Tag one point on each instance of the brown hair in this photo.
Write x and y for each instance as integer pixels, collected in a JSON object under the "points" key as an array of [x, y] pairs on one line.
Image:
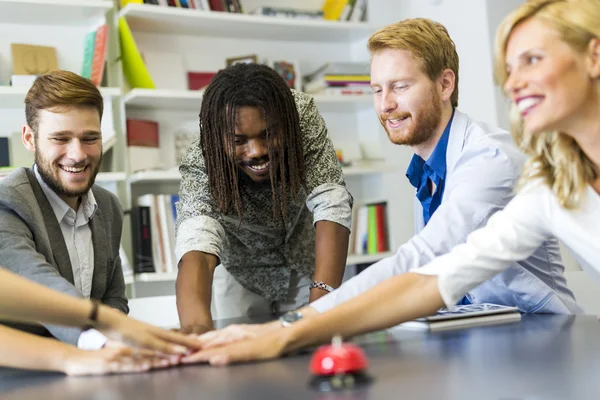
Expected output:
{"points": [[427, 40], [555, 157], [60, 90]]}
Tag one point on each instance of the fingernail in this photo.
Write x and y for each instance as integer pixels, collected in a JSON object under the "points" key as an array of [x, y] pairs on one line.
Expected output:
{"points": [[180, 349], [218, 360]]}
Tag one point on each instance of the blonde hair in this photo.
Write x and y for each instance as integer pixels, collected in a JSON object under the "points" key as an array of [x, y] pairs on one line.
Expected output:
{"points": [[427, 40], [60, 90], [555, 157]]}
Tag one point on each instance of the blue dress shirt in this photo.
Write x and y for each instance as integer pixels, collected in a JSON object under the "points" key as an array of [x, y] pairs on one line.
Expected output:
{"points": [[421, 172]]}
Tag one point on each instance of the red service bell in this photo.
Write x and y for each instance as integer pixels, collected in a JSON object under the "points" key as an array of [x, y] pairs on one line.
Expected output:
{"points": [[338, 366]]}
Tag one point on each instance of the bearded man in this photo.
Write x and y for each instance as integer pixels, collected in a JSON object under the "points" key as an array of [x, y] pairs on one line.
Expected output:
{"points": [[56, 227]]}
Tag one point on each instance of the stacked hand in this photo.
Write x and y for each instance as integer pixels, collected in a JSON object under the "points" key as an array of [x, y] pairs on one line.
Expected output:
{"points": [[238, 343], [133, 346], [155, 340], [111, 359]]}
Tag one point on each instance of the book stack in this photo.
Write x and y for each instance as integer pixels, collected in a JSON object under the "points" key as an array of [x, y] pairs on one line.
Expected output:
{"points": [[158, 245], [369, 231], [339, 78], [286, 12], [233, 6], [94, 54]]}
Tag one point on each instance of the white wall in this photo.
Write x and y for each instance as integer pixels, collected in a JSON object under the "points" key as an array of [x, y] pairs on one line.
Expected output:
{"points": [[497, 10]]}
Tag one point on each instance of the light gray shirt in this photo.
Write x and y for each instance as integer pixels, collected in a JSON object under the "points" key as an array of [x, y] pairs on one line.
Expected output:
{"points": [[76, 233]]}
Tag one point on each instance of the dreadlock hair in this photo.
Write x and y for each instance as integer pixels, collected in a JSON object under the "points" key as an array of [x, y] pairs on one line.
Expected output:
{"points": [[252, 85]]}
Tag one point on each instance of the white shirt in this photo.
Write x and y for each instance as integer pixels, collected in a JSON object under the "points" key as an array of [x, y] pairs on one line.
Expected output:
{"points": [[77, 235], [531, 217]]}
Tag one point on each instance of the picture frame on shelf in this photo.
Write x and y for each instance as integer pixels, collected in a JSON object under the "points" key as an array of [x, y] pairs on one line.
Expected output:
{"points": [[289, 71], [248, 59]]}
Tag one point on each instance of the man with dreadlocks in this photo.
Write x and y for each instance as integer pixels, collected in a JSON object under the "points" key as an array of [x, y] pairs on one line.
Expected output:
{"points": [[263, 196]]}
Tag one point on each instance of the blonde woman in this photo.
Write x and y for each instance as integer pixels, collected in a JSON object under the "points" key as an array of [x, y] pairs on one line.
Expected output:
{"points": [[548, 62], [25, 301]]}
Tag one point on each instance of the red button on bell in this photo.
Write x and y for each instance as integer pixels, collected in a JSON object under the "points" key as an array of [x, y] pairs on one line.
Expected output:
{"points": [[338, 366]]}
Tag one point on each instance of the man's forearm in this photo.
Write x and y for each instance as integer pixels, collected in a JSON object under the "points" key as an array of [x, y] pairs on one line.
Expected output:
{"points": [[194, 289], [331, 250]]}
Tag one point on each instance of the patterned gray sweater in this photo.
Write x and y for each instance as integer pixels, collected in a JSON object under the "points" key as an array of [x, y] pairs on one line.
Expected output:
{"points": [[261, 253]]}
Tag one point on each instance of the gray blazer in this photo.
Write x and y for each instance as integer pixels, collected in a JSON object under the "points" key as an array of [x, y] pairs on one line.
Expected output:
{"points": [[32, 245]]}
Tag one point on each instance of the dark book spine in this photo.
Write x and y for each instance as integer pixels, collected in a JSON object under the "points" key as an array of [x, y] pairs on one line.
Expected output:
{"points": [[217, 5], [142, 240]]}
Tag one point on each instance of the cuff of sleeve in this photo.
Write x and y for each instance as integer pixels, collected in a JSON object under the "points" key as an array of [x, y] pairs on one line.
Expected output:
{"points": [[325, 303], [91, 340], [331, 202], [199, 234], [448, 297]]}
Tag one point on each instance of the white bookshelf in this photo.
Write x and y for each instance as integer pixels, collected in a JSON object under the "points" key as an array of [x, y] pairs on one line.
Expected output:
{"points": [[164, 99], [190, 100], [367, 167], [111, 177], [53, 12], [14, 96], [172, 276], [343, 103], [150, 18], [359, 168], [155, 176], [367, 258]]}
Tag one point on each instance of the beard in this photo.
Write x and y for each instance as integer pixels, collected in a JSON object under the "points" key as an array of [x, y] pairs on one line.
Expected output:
{"points": [[53, 181], [422, 126]]}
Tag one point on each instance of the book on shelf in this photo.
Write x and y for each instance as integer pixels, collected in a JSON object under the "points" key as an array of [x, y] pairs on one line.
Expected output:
{"points": [[162, 217], [287, 12], [197, 80], [333, 9], [340, 77], [345, 10], [143, 145], [99, 55], [369, 229], [33, 60], [143, 260], [142, 133], [134, 69], [463, 316], [359, 11]]}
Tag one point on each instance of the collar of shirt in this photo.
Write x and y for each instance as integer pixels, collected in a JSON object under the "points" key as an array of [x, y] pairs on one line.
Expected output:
{"points": [[88, 202], [434, 168]]}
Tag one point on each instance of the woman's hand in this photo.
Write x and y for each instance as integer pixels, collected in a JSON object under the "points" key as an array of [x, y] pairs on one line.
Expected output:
{"points": [[264, 347], [109, 361], [235, 333], [119, 327]]}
